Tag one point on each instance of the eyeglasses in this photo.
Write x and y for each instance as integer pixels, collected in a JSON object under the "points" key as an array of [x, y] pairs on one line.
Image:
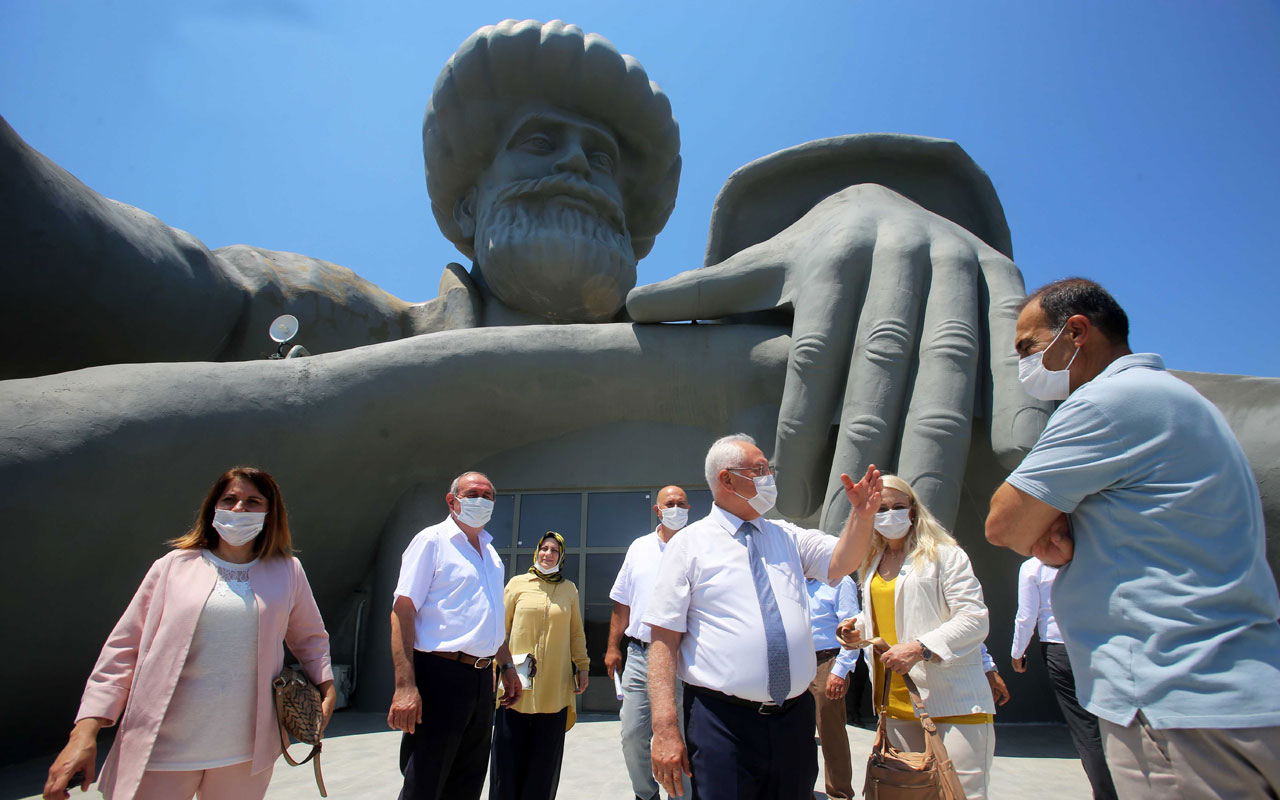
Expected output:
{"points": [[756, 472]]}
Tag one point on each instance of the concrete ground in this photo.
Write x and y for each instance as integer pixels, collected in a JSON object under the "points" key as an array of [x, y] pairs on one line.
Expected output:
{"points": [[361, 761]]}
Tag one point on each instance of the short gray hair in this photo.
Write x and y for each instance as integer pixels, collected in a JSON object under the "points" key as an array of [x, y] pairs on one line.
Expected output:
{"points": [[725, 453], [453, 487]]}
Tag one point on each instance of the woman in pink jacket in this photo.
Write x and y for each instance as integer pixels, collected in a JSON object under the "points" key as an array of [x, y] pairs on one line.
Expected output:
{"points": [[187, 670]]}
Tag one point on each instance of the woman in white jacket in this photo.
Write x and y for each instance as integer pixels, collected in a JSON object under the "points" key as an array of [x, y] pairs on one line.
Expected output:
{"points": [[920, 596]]}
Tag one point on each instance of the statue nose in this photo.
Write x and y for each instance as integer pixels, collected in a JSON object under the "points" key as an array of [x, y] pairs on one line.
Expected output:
{"points": [[574, 159]]}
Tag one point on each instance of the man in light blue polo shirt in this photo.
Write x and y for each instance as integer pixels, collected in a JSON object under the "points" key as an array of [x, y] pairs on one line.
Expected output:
{"points": [[1165, 599]]}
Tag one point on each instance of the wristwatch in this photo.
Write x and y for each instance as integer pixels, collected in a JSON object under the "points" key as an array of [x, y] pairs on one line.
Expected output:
{"points": [[925, 651], [504, 667]]}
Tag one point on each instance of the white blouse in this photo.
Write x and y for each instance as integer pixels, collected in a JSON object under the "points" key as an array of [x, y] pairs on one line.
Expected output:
{"points": [[210, 720]]}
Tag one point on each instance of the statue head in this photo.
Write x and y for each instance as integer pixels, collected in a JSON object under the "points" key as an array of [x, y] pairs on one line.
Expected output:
{"points": [[553, 162]]}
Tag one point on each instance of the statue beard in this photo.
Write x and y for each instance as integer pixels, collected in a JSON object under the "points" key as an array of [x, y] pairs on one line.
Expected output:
{"points": [[556, 248]]}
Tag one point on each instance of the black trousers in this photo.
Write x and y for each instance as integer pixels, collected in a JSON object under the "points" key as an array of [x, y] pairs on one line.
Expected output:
{"points": [[527, 751], [446, 755], [858, 700], [737, 753], [1082, 725]]}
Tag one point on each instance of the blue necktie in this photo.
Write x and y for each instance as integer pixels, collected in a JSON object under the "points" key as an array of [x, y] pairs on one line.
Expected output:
{"points": [[778, 660]]}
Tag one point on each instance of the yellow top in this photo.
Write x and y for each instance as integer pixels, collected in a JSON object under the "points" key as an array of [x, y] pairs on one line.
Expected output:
{"points": [[885, 625], [544, 619]]}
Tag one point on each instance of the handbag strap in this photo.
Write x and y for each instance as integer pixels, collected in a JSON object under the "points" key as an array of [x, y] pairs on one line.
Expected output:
{"points": [[882, 725], [925, 720], [933, 741], [313, 756]]}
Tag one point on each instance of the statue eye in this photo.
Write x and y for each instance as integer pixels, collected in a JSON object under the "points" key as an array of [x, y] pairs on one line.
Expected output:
{"points": [[602, 160], [538, 143]]}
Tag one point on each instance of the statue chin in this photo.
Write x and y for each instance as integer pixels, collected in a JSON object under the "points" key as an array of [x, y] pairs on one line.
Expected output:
{"points": [[558, 277]]}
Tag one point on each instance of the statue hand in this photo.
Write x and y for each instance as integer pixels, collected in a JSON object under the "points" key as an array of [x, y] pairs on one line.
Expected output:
{"points": [[901, 319]]}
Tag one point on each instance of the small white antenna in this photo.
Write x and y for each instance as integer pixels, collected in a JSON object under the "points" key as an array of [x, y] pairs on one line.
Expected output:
{"points": [[283, 328]]}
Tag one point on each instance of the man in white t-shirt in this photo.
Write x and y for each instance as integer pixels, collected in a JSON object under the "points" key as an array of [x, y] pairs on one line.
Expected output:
{"points": [[448, 630], [630, 595]]}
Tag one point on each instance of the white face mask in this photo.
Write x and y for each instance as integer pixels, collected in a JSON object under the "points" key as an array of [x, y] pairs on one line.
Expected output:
{"points": [[766, 494], [238, 527], [1041, 382], [675, 518], [545, 570], [475, 511], [893, 524]]}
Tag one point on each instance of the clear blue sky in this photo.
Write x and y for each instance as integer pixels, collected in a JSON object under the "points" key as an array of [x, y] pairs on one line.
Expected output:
{"points": [[1131, 142]]}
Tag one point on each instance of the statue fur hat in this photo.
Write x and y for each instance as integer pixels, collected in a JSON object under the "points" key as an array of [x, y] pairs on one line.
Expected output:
{"points": [[500, 69]]}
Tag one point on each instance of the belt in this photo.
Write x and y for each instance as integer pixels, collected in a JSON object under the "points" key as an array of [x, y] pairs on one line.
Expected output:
{"points": [[479, 662], [768, 709], [643, 645], [823, 655]]}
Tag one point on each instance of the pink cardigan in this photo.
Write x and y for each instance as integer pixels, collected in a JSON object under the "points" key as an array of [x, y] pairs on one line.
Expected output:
{"points": [[138, 668]]}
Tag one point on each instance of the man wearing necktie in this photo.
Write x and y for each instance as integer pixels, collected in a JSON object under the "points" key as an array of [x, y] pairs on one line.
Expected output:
{"points": [[730, 599]]}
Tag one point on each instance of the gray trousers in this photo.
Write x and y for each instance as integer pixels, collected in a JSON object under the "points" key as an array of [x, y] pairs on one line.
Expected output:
{"points": [[637, 722], [1192, 763]]}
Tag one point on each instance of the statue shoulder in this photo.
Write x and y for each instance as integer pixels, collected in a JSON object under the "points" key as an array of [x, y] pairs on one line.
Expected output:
{"points": [[456, 305], [337, 309]]}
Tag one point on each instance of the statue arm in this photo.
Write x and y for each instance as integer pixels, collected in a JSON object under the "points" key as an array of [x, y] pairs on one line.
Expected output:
{"points": [[92, 281]]}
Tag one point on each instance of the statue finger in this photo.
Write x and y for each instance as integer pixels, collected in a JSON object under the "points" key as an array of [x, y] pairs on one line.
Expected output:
{"points": [[879, 368], [1015, 418], [751, 280], [939, 419], [821, 341]]}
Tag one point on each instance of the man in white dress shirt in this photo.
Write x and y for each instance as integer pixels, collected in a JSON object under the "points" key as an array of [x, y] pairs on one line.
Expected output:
{"points": [[730, 598], [630, 595], [1035, 614], [448, 630]]}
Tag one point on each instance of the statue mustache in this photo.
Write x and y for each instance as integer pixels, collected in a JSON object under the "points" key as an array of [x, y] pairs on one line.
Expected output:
{"points": [[554, 186]]}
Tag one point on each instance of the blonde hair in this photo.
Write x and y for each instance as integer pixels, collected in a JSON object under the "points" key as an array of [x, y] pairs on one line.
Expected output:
{"points": [[924, 538]]}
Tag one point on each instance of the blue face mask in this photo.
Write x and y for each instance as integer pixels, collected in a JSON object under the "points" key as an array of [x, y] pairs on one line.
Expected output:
{"points": [[1041, 382]]}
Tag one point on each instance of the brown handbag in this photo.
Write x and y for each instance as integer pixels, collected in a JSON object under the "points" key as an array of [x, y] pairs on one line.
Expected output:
{"points": [[300, 711], [893, 774]]}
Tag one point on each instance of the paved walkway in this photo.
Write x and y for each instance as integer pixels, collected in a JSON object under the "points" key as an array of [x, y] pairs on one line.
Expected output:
{"points": [[361, 758]]}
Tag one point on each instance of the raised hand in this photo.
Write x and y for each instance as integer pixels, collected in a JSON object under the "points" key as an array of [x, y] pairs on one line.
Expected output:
{"points": [[864, 496]]}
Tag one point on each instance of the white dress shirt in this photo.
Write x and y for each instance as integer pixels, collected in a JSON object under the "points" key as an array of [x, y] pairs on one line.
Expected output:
{"points": [[635, 581], [456, 591], [705, 590], [1035, 585]]}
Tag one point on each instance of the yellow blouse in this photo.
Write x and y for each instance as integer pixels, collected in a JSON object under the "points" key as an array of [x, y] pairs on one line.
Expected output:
{"points": [[885, 625], [545, 619]]}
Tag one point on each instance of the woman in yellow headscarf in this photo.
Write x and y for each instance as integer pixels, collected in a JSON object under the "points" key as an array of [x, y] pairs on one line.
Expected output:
{"points": [[544, 632]]}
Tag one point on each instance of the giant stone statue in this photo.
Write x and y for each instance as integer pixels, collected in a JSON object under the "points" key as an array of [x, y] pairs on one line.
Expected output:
{"points": [[861, 293]]}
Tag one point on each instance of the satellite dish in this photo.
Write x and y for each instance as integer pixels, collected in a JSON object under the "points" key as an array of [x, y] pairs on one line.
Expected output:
{"points": [[284, 328]]}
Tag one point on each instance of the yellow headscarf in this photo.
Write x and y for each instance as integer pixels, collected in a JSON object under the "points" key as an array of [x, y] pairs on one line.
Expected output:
{"points": [[554, 577]]}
